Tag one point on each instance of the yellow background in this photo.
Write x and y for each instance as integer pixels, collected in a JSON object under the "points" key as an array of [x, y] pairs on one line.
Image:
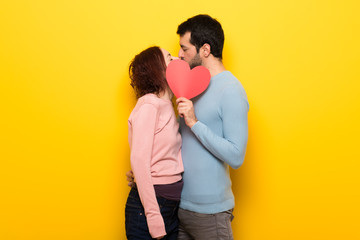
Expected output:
{"points": [[65, 98]]}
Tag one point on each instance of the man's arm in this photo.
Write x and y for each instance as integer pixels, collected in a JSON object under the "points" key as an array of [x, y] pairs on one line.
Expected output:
{"points": [[230, 147]]}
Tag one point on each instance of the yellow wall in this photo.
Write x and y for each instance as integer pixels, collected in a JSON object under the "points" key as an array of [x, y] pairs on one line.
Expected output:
{"points": [[65, 98]]}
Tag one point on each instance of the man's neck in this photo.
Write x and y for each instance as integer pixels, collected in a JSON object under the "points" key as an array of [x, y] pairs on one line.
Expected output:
{"points": [[214, 65]]}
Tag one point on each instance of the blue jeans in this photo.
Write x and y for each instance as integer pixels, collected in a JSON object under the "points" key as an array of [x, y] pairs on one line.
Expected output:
{"points": [[135, 220]]}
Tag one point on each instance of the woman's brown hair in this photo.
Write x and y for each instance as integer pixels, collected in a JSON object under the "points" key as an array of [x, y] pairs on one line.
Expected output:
{"points": [[148, 72]]}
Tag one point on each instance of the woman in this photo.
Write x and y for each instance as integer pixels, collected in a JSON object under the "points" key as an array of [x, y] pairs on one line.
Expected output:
{"points": [[151, 207]]}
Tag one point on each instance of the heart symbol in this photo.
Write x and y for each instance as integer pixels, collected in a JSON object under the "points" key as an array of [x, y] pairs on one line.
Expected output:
{"points": [[184, 82]]}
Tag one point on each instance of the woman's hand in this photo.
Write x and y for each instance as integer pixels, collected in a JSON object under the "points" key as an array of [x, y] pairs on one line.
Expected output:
{"points": [[130, 178], [186, 110]]}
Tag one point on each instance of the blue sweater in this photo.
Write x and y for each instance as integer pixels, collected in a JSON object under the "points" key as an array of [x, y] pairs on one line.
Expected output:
{"points": [[218, 140]]}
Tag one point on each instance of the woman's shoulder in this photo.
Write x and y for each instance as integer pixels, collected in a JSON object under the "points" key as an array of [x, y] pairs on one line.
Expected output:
{"points": [[149, 98], [148, 101]]}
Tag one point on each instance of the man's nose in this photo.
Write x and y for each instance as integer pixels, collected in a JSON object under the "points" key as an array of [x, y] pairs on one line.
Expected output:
{"points": [[181, 54]]}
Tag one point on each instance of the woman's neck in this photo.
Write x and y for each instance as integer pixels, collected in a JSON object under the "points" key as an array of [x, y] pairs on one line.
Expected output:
{"points": [[166, 95]]}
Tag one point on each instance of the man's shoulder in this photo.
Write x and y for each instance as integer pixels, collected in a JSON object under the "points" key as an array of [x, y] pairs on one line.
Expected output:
{"points": [[232, 90], [230, 84]]}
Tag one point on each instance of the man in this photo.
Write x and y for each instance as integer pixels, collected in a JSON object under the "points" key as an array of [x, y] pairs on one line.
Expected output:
{"points": [[214, 132]]}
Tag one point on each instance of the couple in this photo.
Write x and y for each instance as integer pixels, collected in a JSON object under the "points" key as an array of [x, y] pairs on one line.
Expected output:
{"points": [[187, 161]]}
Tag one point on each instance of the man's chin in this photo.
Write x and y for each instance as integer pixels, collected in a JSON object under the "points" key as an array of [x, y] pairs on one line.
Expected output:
{"points": [[192, 65]]}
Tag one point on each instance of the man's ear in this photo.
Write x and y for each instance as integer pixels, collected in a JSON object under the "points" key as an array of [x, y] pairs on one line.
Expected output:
{"points": [[206, 50]]}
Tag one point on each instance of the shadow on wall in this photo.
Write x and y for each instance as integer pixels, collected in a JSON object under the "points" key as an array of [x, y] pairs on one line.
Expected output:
{"points": [[248, 181], [126, 102]]}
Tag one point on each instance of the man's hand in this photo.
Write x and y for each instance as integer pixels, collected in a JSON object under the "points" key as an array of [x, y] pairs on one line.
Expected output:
{"points": [[186, 110], [130, 178]]}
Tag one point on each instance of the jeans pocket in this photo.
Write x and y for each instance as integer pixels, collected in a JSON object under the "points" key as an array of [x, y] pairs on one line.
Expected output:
{"points": [[135, 219], [231, 215]]}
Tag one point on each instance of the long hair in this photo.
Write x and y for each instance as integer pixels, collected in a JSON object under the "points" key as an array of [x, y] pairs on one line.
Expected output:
{"points": [[147, 72]]}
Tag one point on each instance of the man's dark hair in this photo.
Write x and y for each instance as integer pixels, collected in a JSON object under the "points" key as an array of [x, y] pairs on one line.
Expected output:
{"points": [[204, 29]]}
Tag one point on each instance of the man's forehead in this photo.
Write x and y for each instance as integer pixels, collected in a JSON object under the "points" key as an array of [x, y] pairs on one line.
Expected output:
{"points": [[185, 39]]}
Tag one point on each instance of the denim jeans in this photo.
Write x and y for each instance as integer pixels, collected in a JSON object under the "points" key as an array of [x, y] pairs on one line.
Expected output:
{"points": [[135, 219]]}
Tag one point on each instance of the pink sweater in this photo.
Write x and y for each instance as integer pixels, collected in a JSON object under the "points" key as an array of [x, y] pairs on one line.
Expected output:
{"points": [[155, 153]]}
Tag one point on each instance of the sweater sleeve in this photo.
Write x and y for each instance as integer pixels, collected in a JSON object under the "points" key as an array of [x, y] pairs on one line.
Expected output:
{"points": [[230, 147], [143, 130]]}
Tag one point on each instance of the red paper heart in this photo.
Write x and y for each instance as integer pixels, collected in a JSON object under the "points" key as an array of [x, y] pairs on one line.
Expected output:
{"points": [[185, 82]]}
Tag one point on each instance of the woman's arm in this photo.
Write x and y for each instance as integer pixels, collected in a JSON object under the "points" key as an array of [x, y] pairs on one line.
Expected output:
{"points": [[143, 130]]}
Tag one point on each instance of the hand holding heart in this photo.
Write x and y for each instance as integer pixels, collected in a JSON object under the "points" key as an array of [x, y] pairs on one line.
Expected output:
{"points": [[184, 82], [186, 110]]}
